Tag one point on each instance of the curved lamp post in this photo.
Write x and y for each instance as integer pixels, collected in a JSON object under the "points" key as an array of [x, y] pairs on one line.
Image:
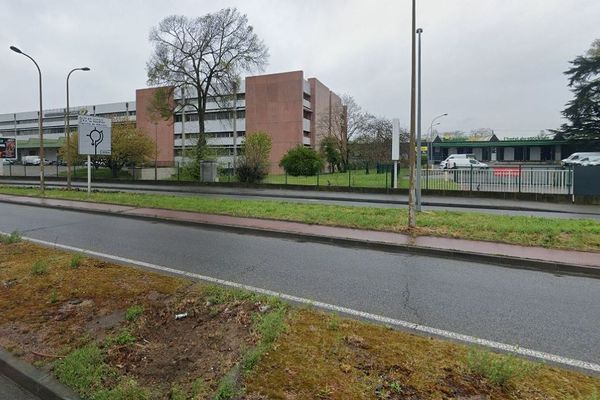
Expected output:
{"points": [[40, 117], [68, 127], [429, 155]]}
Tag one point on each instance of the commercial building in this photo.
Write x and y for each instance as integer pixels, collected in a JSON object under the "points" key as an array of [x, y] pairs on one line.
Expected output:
{"points": [[291, 109], [491, 148]]}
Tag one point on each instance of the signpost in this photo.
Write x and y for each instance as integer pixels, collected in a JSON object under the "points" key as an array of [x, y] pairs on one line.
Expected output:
{"points": [[395, 148], [94, 140]]}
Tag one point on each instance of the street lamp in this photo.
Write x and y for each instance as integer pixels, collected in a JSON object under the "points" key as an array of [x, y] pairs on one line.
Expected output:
{"points": [[419, 156], [68, 128], [430, 158], [40, 117]]}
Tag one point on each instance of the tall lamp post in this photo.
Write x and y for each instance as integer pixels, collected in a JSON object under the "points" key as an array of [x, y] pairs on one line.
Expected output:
{"points": [[412, 217], [429, 155], [68, 128], [40, 118], [419, 155]]}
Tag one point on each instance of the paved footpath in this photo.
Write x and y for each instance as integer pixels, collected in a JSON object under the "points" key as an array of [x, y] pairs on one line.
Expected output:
{"points": [[538, 257]]}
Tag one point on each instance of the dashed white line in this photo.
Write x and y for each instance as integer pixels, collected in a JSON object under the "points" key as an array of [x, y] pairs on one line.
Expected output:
{"points": [[339, 309]]}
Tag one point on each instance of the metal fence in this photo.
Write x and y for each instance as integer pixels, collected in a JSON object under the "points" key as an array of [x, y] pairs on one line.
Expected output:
{"points": [[501, 179], [510, 179]]}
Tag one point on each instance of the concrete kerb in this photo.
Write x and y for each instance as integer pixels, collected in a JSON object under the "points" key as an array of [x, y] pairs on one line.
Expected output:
{"points": [[492, 259], [35, 381]]}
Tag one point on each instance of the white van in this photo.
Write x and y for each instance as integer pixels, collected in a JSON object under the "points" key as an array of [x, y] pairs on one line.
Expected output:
{"points": [[465, 163], [31, 160], [444, 164], [575, 158]]}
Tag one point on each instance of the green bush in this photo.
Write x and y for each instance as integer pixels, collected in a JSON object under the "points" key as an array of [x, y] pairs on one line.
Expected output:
{"points": [[253, 164], [76, 260], [302, 161], [83, 370]]}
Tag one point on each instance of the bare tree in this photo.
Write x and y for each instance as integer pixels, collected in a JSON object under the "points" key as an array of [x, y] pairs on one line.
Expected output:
{"points": [[207, 54], [343, 123], [374, 144]]}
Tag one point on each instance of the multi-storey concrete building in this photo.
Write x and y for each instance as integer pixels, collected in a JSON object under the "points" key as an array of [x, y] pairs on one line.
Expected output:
{"points": [[291, 109]]}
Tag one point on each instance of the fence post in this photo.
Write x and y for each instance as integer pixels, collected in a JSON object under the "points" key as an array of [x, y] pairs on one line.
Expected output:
{"points": [[178, 172], [427, 177], [349, 177], [286, 177], [25, 169], [471, 179], [10, 170], [317, 178], [57, 168], [520, 171], [386, 180]]}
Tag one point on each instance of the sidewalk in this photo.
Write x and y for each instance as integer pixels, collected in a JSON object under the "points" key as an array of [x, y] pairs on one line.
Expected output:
{"points": [[550, 260]]}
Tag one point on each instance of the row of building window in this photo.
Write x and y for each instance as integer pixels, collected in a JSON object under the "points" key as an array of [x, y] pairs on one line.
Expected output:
{"points": [[211, 116], [210, 135], [62, 118]]}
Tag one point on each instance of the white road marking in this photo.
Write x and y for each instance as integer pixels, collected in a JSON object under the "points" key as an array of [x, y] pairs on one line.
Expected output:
{"points": [[331, 307]]}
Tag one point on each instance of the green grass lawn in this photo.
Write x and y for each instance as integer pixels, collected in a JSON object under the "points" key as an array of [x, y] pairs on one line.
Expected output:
{"points": [[530, 231], [356, 178]]}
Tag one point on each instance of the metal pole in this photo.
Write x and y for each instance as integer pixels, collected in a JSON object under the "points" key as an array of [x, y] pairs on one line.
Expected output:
{"points": [[40, 118], [412, 217], [395, 174], [89, 174], [68, 128], [235, 125], [419, 156], [155, 152], [183, 125]]}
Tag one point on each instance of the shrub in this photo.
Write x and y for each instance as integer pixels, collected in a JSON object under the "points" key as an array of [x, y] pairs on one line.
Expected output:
{"points": [[253, 164], [301, 161]]}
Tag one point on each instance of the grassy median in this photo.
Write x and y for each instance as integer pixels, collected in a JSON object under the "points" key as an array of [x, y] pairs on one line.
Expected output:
{"points": [[114, 332], [529, 231]]}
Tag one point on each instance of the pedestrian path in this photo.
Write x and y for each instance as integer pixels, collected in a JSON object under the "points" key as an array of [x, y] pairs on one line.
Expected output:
{"points": [[515, 255]]}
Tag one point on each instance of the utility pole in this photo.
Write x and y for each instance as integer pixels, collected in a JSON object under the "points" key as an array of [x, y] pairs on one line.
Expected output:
{"points": [[68, 128], [412, 218], [419, 155], [183, 101], [234, 115]]}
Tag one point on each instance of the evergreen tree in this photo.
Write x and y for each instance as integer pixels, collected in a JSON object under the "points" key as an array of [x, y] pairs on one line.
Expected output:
{"points": [[583, 112]]}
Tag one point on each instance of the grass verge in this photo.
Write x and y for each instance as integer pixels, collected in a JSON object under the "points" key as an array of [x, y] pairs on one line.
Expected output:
{"points": [[557, 233], [111, 333]]}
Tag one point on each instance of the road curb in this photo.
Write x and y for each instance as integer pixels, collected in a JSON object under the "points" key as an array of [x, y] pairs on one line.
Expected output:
{"points": [[35, 381], [494, 259]]}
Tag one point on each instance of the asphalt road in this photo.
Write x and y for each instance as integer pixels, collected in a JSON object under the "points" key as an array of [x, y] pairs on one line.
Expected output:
{"points": [[354, 199], [10, 391], [540, 311]]}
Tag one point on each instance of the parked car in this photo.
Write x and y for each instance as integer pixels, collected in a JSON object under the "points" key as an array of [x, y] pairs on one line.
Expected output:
{"points": [[8, 161], [575, 158], [465, 163], [444, 164]]}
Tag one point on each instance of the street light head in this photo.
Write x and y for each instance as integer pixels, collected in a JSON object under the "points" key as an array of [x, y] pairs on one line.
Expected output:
{"points": [[16, 49], [85, 69], [445, 114], [419, 30]]}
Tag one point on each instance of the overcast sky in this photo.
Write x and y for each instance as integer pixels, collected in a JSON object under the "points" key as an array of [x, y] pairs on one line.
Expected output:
{"points": [[487, 63]]}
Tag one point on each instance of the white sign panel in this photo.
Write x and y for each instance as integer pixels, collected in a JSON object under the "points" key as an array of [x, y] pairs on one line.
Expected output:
{"points": [[395, 139], [94, 135]]}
